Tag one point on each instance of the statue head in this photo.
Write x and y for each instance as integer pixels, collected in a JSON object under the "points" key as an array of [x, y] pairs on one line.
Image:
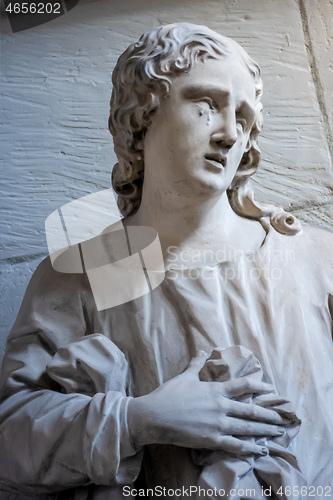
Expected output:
{"points": [[143, 77]]}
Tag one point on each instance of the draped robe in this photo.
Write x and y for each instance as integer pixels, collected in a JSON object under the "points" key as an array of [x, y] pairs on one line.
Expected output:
{"points": [[276, 302]]}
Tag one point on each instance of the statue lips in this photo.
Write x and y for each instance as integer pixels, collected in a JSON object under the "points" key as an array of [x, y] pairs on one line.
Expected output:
{"points": [[217, 161]]}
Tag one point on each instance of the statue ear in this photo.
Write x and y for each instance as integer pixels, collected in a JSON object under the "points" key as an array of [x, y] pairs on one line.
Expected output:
{"points": [[248, 146]]}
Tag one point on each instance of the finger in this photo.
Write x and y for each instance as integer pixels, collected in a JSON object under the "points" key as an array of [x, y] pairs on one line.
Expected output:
{"points": [[269, 400], [289, 417], [245, 385], [254, 412], [240, 447], [197, 363], [238, 427]]}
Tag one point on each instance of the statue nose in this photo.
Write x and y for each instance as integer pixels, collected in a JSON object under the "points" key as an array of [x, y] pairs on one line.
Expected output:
{"points": [[226, 136], [225, 139]]}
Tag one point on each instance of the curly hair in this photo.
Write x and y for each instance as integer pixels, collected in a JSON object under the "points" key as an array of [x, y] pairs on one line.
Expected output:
{"points": [[142, 77]]}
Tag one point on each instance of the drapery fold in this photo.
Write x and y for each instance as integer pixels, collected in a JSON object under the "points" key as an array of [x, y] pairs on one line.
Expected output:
{"points": [[78, 435]]}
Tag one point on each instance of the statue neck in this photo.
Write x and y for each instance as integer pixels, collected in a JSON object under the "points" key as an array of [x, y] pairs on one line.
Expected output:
{"points": [[197, 224]]}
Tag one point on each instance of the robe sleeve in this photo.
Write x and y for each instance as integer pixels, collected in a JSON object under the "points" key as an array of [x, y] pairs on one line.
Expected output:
{"points": [[52, 439]]}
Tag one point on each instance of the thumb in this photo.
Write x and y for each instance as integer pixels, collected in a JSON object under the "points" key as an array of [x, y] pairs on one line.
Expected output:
{"points": [[197, 363]]}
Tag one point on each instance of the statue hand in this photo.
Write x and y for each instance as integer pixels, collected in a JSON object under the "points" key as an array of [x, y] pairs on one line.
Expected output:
{"points": [[187, 412]]}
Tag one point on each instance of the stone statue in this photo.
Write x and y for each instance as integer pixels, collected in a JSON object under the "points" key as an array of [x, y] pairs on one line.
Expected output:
{"points": [[218, 382]]}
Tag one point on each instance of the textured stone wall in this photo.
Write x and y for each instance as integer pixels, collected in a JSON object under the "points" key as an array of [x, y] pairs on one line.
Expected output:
{"points": [[55, 95]]}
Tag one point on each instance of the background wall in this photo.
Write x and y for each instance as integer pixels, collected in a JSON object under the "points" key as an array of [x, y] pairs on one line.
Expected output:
{"points": [[55, 95]]}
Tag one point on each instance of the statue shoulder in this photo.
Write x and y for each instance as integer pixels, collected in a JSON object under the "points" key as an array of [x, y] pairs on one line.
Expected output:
{"points": [[314, 247], [310, 252], [318, 241], [48, 284]]}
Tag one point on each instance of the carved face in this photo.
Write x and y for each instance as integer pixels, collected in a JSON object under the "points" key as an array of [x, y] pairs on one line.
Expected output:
{"points": [[201, 129]]}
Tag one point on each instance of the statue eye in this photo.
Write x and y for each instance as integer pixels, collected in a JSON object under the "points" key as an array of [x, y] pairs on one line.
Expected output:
{"points": [[207, 103]]}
